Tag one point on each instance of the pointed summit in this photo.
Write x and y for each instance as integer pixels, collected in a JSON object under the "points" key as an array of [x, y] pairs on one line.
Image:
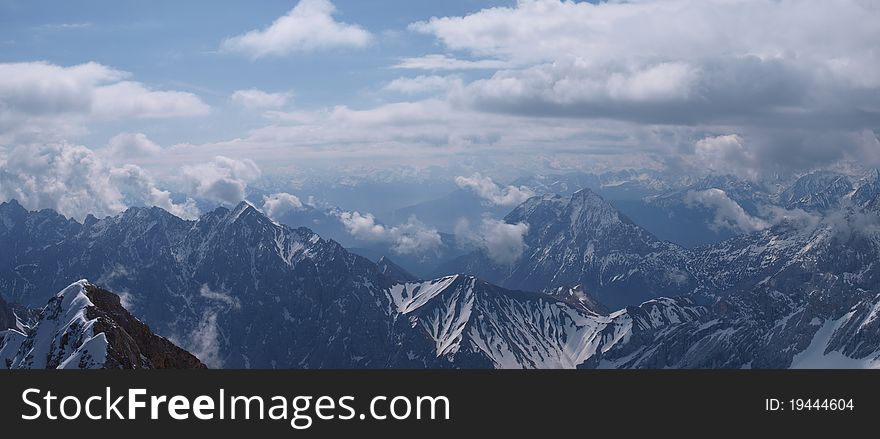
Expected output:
{"points": [[394, 271], [12, 207], [584, 240]]}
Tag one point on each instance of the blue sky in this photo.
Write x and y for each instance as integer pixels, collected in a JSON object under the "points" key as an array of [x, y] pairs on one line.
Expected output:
{"points": [[194, 96], [174, 45]]}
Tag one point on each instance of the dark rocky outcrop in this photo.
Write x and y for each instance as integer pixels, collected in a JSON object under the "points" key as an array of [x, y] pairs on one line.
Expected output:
{"points": [[132, 345], [7, 318]]}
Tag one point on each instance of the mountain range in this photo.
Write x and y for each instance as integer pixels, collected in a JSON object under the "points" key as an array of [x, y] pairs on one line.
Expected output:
{"points": [[239, 290]]}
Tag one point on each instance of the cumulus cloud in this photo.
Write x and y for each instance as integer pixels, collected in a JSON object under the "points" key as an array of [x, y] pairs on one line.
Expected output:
{"points": [[503, 243], [139, 189], [74, 181], [41, 100], [728, 214], [726, 154], [493, 193], [423, 84], [222, 180], [308, 26], [276, 205], [410, 238], [256, 99], [128, 145]]}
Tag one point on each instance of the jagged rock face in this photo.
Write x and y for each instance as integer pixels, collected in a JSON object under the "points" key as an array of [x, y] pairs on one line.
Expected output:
{"points": [[787, 297], [583, 240], [84, 327], [7, 317], [131, 343], [867, 188], [577, 296], [817, 191]]}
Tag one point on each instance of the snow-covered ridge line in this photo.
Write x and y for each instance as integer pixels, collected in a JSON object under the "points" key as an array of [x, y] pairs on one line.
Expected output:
{"points": [[63, 338], [471, 323], [85, 327]]}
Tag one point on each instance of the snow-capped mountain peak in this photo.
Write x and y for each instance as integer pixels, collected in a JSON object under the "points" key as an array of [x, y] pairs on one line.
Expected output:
{"points": [[84, 327]]}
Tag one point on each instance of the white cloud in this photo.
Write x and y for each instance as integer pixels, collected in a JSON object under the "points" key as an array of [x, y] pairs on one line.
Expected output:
{"points": [[42, 100], [410, 238], [445, 62], [134, 100], [276, 205], [503, 243], [204, 341], [74, 181], [487, 189], [797, 217], [724, 154], [255, 99], [728, 214], [139, 189], [423, 84], [222, 180], [127, 145], [308, 26]]}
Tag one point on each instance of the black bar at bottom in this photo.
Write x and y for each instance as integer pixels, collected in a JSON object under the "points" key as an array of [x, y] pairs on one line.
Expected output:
{"points": [[500, 403]]}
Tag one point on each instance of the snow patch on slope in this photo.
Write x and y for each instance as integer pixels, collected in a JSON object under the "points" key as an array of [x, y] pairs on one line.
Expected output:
{"points": [[816, 357], [412, 295]]}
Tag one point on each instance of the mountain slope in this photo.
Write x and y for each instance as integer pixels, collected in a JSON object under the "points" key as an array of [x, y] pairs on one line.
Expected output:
{"points": [[790, 296], [459, 321], [583, 240], [818, 191], [7, 316]]}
